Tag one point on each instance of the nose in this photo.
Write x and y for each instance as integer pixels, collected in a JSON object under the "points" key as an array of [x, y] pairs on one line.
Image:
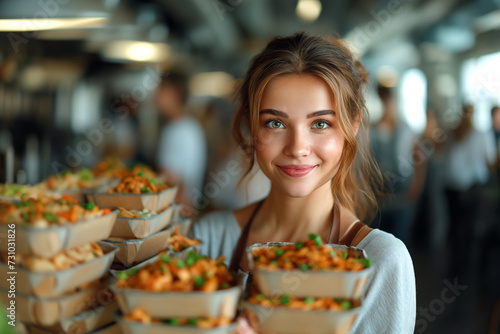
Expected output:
{"points": [[298, 144]]}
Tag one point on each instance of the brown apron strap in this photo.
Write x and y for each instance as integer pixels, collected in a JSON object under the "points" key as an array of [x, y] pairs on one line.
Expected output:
{"points": [[349, 237], [242, 242], [335, 229]]}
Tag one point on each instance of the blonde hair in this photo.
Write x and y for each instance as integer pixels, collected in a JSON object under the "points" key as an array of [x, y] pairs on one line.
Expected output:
{"points": [[331, 61]]}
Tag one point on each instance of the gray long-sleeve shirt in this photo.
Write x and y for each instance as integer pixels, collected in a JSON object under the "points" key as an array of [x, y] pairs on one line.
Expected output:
{"points": [[389, 305]]}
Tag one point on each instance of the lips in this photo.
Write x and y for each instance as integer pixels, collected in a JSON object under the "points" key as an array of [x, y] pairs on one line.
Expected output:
{"points": [[297, 170]]}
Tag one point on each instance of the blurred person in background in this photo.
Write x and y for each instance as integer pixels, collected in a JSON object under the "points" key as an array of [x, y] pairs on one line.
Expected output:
{"points": [[225, 165], [182, 152], [469, 155], [495, 119], [393, 144], [430, 221]]}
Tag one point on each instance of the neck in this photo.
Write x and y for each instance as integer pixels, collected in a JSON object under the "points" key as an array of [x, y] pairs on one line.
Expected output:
{"points": [[297, 216]]}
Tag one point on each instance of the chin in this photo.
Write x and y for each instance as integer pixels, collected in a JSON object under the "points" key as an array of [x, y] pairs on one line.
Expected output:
{"points": [[297, 190]]}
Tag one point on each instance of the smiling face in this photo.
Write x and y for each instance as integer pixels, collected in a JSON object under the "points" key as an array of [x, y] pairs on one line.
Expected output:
{"points": [[299, 141]]}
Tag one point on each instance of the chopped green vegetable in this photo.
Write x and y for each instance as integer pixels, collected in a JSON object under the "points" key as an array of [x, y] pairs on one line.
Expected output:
{"points": [[279, 252], [365, 262], [141, 173], [298, 245], [122, 275], [309, 300], [145, 190], [257, 258], [180, 264], [89, 206], [346, 305], [225, 285], [153, 181], [132, 272], [174, 322], [285, 300], [64, 173], [198, 281], [26, 216], [304, 267], [260, 297], [345, 255], [165, 258], [192, 321], [273, 263], [332, 253], [85, 174], [50, 217]]}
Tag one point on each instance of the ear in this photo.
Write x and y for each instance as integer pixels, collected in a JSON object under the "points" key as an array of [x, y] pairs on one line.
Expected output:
{"points": [[355, 123]]}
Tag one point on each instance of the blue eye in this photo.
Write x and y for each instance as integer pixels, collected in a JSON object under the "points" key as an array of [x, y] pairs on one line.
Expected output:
{"points": [[320, 125], [274, 124]]}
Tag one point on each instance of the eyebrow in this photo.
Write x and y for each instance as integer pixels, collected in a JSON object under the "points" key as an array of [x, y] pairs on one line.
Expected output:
{"points": [[278, 113]]}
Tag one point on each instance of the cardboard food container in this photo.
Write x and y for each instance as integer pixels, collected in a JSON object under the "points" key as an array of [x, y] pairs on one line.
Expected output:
{"points": [[297, 283], [131, 327], [183, 254], [183, 224], [142, 227], [47, 242], [165, 305], [110, 329], [54, 283], [152, 259], [106, 183], [85, 322], [281, 320], [138, 250], [50, 311], [152, 202]]}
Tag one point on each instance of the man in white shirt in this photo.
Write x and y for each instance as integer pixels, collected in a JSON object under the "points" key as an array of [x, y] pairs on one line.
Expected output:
{"points": [[182, 151]]}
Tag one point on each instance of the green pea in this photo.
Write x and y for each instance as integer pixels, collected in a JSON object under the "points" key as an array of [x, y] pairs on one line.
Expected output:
{"points": [[165, 258], [180, 264], [304, 267], [346, 305], [309, 300], [199, 281], [285, 300]]}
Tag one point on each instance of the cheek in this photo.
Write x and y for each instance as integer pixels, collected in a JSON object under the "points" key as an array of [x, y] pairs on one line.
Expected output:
{"points": [[330, 149], [268, 146]]}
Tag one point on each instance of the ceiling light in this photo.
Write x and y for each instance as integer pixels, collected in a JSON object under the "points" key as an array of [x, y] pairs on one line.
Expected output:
{"points": [[29, 15], [308, 10], [37, 24], [136, 51]]}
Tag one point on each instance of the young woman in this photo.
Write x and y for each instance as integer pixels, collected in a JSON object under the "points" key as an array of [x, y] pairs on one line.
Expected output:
{"points": [[301, 118]]}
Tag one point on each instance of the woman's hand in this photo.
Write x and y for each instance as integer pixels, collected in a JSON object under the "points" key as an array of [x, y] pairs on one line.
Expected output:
{"points": [[243, 326]]}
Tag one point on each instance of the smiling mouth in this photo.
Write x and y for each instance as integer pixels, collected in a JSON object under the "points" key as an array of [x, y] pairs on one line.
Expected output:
{"points": [[297, 170]]}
